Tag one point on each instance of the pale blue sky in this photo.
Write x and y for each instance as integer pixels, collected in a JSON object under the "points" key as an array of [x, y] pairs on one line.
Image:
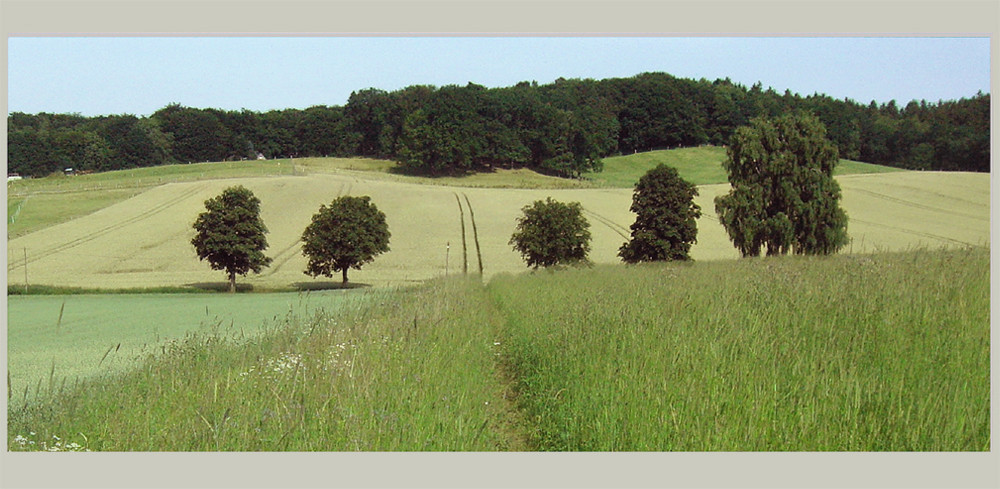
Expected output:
{"points": [[138, 75]]}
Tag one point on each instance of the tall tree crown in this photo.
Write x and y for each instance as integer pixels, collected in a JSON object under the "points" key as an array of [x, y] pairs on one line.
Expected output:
{"points": [[665, 226], [784, 197]]}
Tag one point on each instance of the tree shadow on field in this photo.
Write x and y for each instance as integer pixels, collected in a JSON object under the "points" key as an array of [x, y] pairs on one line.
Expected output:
{"points": [[307, 286], [220, 286]]}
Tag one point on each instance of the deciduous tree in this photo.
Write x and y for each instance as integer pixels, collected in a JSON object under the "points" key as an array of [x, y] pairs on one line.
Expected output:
{"points": [[784, 197], [348, 233], [230, 234], [665, 226], [552, 233]]}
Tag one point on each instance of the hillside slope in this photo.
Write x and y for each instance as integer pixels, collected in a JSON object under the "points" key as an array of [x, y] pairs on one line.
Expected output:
{"points": [[145, 240]]}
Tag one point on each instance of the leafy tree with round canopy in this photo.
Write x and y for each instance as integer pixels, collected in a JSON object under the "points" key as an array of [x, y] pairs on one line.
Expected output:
{"points": [[783, 196], [552, 233], [665, 226], [230, 234], [348, 233]]}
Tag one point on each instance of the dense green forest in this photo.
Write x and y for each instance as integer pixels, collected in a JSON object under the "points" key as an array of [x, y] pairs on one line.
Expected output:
{"points": [[562, 128]]}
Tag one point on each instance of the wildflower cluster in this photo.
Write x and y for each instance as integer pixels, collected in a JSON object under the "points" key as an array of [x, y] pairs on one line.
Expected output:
{"points": [[286, 363], [334, 359], [56, 445]]}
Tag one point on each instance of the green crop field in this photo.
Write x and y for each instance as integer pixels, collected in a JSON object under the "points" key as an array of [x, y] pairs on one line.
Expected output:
{"points": [[62, 339]]}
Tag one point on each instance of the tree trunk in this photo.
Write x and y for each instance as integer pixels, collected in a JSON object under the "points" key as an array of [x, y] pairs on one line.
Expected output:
{"points": [[344, 270], [232, 282]]}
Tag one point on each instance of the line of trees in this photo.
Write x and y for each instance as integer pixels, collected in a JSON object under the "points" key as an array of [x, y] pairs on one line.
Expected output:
{"points": [[230, 235], [783, 198], [562, 128]]}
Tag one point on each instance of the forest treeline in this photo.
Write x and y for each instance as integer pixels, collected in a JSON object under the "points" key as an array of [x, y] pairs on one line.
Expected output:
{"points": [[562, 128]]}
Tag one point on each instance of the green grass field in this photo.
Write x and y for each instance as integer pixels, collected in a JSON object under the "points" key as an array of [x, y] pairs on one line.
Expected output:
{"points": [[411, 373], [888, 352], [852, 353], [65, 338]]}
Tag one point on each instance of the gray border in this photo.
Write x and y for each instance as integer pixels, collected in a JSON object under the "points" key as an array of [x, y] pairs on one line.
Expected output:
{"points": [[539, 18]]}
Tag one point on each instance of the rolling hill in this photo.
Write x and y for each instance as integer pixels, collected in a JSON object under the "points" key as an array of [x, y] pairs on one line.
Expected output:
{"points": [[144, 241]]}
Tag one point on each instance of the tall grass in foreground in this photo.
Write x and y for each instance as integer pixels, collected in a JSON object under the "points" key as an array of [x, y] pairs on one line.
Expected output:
{"points": [[409, 370], [882, 352]]}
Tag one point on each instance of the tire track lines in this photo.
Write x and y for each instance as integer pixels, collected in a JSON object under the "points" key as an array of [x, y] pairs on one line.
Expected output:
{"points": [[948, 196], [919, 205], [618, 228], [283, 257], [475, 231], [465, 252], [287, 253], [44, 253], [912, 231]]}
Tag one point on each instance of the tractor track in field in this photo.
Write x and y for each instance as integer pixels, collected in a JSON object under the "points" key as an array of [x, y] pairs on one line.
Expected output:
{"points": [[44, 253], [475, 231], [280, 259], [926, 191], [921, 206], [621, 230], [465, 249], [287, 253], [913, 232]]}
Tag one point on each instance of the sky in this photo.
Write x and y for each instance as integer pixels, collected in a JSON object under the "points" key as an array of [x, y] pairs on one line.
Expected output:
{"points": [[138, 75]]}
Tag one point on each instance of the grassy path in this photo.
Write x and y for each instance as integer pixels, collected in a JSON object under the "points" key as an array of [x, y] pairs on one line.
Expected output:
{"points": [[885, 352], [888, 352]]}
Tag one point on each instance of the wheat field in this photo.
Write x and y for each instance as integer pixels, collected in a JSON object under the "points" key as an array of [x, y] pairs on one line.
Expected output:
{"points": [[437, 230]]}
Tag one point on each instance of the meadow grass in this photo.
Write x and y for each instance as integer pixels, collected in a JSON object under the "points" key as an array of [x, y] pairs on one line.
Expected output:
{"points": [[886, 352], [411, 369], [700, 165]]}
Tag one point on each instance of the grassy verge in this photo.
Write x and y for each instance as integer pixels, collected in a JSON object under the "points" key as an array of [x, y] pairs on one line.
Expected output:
{"points": [[410, 371], [887, 353]]}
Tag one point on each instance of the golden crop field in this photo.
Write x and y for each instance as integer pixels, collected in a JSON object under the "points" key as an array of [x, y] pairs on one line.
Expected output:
{"points": [[145, 241]]}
